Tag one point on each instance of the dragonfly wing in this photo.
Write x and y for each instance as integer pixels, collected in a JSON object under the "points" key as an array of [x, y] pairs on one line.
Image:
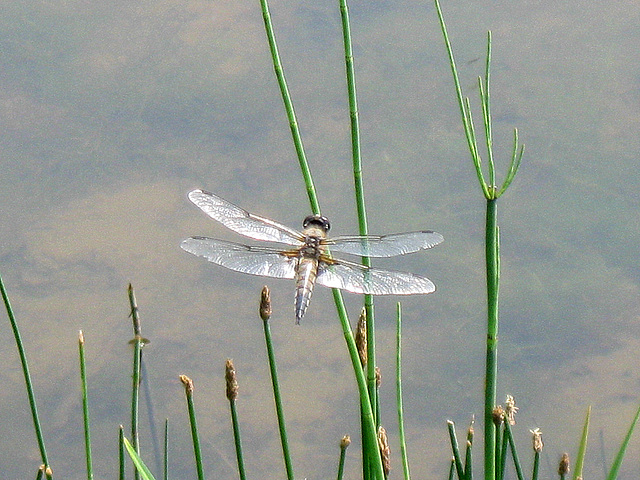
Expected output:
{"points": [[243, 222], [385, 245], [360, 279], [266, 262]]}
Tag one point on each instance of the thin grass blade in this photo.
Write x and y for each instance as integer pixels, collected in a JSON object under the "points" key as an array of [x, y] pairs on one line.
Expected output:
{"points": [[582, 449], [27, 377], [85, 406], [145, 473]]}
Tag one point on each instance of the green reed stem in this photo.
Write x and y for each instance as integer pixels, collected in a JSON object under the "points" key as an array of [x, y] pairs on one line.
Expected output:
{"points": [[121, 462], [403, 444], [366, 404], [288, 105], [40, 473], [452, 469], [85, 406], [617, 461], [455, 449], [582, 450], [236, 437], [514, 452], [165, 458], [369, 429], [536, 465], [278, 400], [27, 376], [501, 452], [468, 461], [359, 195], [135, 389], [195, 437], [344, 444]]}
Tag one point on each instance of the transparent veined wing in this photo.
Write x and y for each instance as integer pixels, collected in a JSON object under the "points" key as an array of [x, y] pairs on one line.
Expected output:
{"points": [[360, 279], [266, 262], [384, 245], [243, 222]]}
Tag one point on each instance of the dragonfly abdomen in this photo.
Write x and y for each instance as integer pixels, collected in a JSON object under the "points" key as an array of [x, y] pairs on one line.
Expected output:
{"points": [[305, 280]]}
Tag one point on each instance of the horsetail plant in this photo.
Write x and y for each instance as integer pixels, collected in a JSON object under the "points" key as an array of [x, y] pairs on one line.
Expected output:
{"points": [[491, 193]]}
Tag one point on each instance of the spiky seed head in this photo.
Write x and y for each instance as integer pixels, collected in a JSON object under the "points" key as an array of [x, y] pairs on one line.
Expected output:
{"points": [[563, 468], [385, 452], [537, 440], [378, 377], [361, 337], [80, 337], [188, 384], [265, 304], [231, 380], [510, 410], [498, 415], [345, 442], [48, 472]]}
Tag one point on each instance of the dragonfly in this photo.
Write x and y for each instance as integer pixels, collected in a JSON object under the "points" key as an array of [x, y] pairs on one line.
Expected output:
{"points": [[307, 256]]}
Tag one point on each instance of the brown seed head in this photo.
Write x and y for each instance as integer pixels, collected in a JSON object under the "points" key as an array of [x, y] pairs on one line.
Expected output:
{"points": [[361, 337], [188, 383], [232, 382], [537, 440], [510, 410], [378, 377], [498, 415], [345, 442], [265, 304], [385, 452], [563, 468]]}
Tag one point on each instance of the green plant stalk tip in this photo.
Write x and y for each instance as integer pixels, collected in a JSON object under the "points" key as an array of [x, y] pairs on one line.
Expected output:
{"points": [[144, 472], [403, 444], [278, 400], [165, 463], [27, 376], [514, 452], [121, 462], [617, 462], [582, 450], [195, 437], [135, 376], [455, 449], [85, 406], [343, 452]]}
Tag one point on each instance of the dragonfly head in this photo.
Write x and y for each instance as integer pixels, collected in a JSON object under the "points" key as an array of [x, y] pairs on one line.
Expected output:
{"points": [[318, 221]]}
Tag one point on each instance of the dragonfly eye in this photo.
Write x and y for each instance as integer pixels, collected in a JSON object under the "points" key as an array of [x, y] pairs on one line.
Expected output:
{"points": [[319, 220]]}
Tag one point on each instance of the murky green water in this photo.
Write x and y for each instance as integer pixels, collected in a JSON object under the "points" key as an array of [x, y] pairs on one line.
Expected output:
{"points": [[111, 112]]}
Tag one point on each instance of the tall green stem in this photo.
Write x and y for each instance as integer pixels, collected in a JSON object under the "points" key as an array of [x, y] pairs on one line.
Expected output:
{"points": [[135, 388], [493, 275], [27, 377], [85, 406], [278, 400]]}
